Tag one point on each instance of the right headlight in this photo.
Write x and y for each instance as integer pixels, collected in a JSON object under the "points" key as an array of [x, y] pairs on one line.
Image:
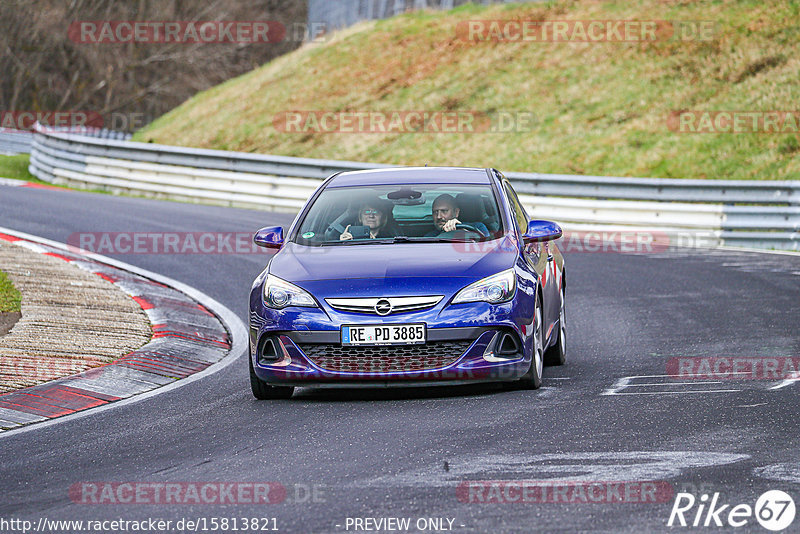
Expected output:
{"points": [[279, 293], [493, 289]]}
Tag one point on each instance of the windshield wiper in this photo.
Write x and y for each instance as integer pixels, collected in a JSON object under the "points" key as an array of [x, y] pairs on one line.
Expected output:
{"points": [[379, 241], [399, 239], [438, 240]]}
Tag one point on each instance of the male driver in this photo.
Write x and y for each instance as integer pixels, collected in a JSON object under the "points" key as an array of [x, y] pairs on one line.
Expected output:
{"points": [[445, 217]]}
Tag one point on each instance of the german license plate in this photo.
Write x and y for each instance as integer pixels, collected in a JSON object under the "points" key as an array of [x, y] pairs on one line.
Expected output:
{"points": [[384, 334]]}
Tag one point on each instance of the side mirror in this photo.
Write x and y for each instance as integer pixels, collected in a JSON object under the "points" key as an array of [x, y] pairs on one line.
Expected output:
{"points": [[541, 231], [269, 237]]}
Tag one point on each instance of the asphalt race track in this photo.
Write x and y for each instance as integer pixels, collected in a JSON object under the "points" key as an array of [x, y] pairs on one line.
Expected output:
{"points": [[609, 415]]}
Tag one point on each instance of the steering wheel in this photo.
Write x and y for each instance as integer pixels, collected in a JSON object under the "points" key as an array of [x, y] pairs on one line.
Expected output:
{"points": [[464, 227], [467, 228]]}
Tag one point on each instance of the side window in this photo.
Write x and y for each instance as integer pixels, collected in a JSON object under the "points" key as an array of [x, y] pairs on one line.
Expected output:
{"points": [[516, 206]]}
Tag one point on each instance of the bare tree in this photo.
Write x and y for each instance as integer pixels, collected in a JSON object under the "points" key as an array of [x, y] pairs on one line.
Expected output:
{"points": [[44, 70]]}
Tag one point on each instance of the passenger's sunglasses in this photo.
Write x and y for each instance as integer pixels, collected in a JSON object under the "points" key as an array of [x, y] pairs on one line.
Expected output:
{"points": [[370, 212]]}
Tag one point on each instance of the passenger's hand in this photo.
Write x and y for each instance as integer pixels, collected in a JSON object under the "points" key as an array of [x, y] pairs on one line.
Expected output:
{"points": [[450, 225], [346, 236]]}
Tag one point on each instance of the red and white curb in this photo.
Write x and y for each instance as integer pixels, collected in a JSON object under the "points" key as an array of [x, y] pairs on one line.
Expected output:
{"points": [[192, 335], [19, 183]]}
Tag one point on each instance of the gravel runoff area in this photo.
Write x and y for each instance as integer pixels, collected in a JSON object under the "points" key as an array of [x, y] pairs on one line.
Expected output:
{"points": [[72, 320]]}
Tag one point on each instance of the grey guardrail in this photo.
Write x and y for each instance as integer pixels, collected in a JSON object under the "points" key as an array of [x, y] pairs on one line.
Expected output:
{"points": [[762, 214], [15, 141], [660, 189], [20, 141]]}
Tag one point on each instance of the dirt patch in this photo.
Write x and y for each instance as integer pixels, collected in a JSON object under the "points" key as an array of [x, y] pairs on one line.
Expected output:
{"points": [[7, 321]]}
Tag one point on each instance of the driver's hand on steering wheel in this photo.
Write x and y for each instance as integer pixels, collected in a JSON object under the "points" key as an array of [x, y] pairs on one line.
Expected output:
{"points": [[346, 235], [450, 225]]}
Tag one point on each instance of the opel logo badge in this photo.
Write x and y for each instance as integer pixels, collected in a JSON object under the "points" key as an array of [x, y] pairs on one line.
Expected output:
{"points": [[383, 307]]}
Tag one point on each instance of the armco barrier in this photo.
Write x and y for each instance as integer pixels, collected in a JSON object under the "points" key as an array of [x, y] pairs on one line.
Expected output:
{"points": [[762, 214], [15, 141], [19, 141]]}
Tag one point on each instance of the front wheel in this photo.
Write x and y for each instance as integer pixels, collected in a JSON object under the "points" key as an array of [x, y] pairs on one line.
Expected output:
{"points": [[557, 354], [263, 391], [533, 378]]}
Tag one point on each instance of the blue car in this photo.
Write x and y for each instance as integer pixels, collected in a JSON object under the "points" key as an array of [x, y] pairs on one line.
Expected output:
{"points": [[408, 276]]}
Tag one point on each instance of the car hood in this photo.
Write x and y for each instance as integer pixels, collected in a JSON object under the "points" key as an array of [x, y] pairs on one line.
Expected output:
{"points": [[298, 263]]}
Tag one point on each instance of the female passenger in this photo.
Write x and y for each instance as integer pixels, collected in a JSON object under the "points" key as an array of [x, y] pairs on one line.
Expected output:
{"points": [[376, 215]]}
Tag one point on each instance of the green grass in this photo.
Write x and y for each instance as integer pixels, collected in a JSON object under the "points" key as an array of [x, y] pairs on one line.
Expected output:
{"points": [[16, 167], [598, 108], [9, 297]]}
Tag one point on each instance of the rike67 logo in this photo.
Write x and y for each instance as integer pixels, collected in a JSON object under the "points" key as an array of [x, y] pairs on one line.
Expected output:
{"points": [[774, 510]]}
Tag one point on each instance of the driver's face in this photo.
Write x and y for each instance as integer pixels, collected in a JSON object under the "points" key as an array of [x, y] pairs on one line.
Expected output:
{"points": [[442, 213], [371, 217]]}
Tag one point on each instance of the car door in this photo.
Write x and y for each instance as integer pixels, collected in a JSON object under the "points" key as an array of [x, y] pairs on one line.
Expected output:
{"points": [[540, 259]]}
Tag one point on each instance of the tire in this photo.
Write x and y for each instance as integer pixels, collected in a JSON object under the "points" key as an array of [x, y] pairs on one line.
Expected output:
{"points": [[533, 378], [557, 354], [263, 391]]}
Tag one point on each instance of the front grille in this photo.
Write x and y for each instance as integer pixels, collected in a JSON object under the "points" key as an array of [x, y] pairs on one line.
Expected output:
{"points": [[398, 304], [387, 358]]}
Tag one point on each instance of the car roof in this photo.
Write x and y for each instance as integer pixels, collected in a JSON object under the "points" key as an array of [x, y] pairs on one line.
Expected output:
{"points": [[411, 175]]}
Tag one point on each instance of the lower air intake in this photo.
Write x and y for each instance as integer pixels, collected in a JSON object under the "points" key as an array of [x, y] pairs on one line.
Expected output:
{"points": [[387, 358]]}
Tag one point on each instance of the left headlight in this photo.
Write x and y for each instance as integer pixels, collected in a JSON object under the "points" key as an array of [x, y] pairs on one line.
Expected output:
{"points": [[279, 293], [493, 289]]}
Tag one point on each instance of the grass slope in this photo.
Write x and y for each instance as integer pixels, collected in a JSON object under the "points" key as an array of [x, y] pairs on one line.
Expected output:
{"points": [[598, 108], [9, 297], [16, 167]]}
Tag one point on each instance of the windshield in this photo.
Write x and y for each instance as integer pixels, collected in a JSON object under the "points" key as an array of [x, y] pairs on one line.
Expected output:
{"points": [[401, 213]]}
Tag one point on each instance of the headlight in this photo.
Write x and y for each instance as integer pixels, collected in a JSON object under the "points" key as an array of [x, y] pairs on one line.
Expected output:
{"points": [[280, 293], [494, 289]]}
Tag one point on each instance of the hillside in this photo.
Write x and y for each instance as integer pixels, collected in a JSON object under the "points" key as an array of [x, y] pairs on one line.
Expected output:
{"points": [[594, 107]]}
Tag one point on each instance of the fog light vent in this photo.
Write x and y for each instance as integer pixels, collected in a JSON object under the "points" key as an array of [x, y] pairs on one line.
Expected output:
{"points": [[268, 350], [508, 346]]}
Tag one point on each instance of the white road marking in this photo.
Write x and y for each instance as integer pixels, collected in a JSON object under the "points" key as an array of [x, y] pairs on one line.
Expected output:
{"points": [[785, 383], [677, 392], [623, 385], [785, 472], [627, 382], [676, 383]]}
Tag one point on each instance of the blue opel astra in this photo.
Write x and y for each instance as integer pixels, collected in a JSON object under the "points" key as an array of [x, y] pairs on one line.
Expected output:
{"points": [[408, 276]]}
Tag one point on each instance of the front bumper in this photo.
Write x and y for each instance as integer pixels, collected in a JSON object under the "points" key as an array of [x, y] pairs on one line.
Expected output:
{"points": [[450, 356], [462, 345]]}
